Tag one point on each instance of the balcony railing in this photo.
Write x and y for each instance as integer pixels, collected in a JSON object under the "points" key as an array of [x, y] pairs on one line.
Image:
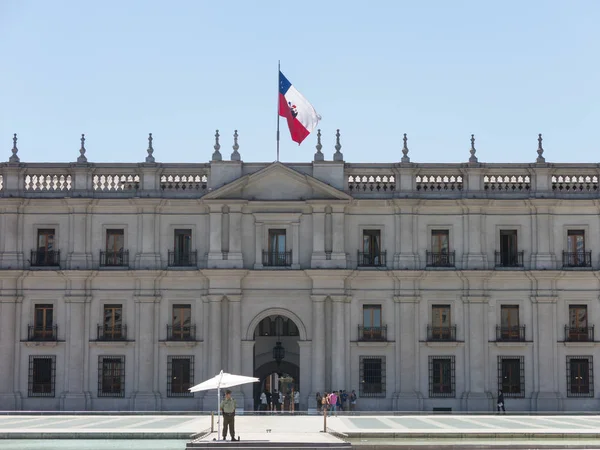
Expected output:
{"points": [[514, 333], [183, 259], [42, 333], [441, 334], [112, 333], [440, 259], [371, 259], [111, 258], [372, 333], [45, 258], [577, 259], [579, 334], [509, 259], [277, 259], [181, 333]]}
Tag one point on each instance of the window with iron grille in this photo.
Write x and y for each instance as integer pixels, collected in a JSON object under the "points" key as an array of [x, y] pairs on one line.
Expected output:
{"points": [[42, 376], [111, 376], [372, 376], [180, 376], [442, 376], [580, 376], [511, 376]]}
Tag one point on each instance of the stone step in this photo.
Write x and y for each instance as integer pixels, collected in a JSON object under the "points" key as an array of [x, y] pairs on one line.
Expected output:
{"points": [[238, 445]]}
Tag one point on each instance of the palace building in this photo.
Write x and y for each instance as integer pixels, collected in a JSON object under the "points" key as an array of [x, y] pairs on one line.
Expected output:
{"points": [[423, 287]]}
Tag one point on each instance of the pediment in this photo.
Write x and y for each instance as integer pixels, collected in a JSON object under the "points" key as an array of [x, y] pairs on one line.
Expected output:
{"points": [[277, 182]]}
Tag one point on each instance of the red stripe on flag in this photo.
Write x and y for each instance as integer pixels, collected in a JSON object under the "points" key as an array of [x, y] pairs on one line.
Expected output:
{"points": [[297, 130]]}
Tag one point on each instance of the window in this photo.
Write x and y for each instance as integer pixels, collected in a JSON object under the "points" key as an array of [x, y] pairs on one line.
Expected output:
{"points": [[43, 325], [276, 326], [440, 241], [181, 322], [115, 252], [441, 328], [111, 376], [112, 327], [182, 254], [578, 323], [509, 256], [277, 255], [580, 376], [511, 376], [576, 241], [372, 376], [180, 376], [42, 371], [372, 328], [371, 254], [46, 240], [45, 253], [509, 323], [576, 255], [441, 376]]}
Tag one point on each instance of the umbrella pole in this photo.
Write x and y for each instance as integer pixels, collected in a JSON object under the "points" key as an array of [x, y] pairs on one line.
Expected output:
{"points": [[218, 414]]}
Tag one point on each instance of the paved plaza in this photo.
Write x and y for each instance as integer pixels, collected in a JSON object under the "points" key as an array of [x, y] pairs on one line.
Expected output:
{"points": [[302, 428]]}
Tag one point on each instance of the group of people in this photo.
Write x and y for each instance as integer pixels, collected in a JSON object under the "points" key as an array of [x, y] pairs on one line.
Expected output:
{"points": [[336, 401], [279, 402]]}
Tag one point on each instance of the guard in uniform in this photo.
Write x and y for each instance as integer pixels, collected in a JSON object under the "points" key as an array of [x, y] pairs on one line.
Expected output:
{"points": [[228, 409]]}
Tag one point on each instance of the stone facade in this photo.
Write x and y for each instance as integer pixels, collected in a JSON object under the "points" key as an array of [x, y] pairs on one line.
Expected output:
{"points": [[421, 286]]}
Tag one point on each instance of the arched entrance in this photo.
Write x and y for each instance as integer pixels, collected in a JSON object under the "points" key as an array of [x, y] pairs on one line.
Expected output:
{"points": [[276, 359]]}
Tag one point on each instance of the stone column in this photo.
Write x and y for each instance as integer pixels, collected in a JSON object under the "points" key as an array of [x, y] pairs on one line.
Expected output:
{"points": [[545, 359], [318, 253], [408, 396], [247, 370], [77, 338], [258, 246], [145, 398], [305, 382], [10, 400], [476, 398], [338, 348], [235, 345], [338, 254], [296, 245], [215, 253], [235, 259], [318, 349], [215, 363]]}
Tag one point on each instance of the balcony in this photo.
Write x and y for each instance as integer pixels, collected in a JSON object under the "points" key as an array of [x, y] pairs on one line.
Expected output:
{"points": [[579, 334], [371, 259], [514, 333], [577, 259], [183, 259], [277, 259], [45, 258], [372, 334], [179, 333], [112, 333], [440, 259], [114, 258], [42, 333], [509, 259], [441, 334]]}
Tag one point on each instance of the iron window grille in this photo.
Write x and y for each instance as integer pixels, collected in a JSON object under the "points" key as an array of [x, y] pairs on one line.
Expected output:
{"points": [[509, 259], [442, 376], [111, 376], [180, 376], [579, 334], [43, 257], [580, 376], [42, 376], [513, 333], [118, 258], [577, 259], [511, 376], [440, 259], [372, 376], [181, 332], [183, 259], [277, 259]]}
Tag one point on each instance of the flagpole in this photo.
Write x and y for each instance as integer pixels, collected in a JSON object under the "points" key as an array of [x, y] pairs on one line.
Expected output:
{"points": [[278, 70]]}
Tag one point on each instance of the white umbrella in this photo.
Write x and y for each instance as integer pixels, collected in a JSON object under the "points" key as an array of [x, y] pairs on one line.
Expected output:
{"points": [[223, 380]]}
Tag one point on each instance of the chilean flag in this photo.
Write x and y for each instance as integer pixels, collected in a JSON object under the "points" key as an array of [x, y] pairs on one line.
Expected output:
{"points": [[301, 116]]}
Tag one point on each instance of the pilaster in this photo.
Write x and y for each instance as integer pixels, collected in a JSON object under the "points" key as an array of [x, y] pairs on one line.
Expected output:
{"points": [[11, 256], [542, 257], [474, 256], [248, 370], [215, 253], [234, 258], [318, 232], [338, 347], [338, 225], [318, 349], [296, 245], [258, 244], [305, 382], [215, 306], [147, 258], [10, 399], [406, 256], [79, 256]]}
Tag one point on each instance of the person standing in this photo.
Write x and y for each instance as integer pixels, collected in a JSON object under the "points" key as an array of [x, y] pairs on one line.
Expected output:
{"points": [[263, 402], [296, 400], [353, 400], [319, 401], [228, 407], [501, 402], [332, 403]]}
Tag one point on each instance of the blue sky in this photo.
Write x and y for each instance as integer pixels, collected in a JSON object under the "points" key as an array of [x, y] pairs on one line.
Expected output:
{"points": [[437, 70]]}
